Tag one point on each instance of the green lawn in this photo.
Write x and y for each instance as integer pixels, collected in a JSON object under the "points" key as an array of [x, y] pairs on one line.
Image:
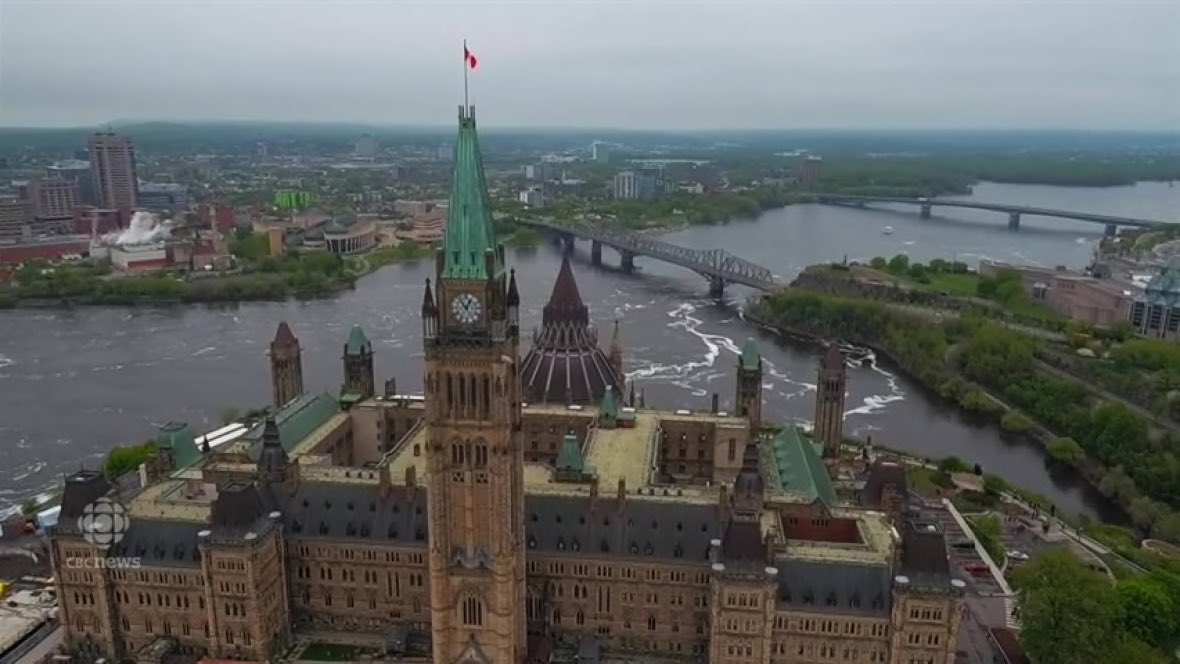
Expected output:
{"points": [[959, 285], [330, 652]]}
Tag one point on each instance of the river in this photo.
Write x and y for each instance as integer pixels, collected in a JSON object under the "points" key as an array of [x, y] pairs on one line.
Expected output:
{"points": [[73, 383]]}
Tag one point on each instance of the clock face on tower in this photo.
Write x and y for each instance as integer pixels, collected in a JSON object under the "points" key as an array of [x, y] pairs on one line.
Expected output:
{"points": [[466, 308]]}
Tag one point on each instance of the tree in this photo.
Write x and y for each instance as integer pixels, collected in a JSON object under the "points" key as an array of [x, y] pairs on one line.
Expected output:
{"points": [[1144, 512], [1069, 613], [1168, 527], [879, 263], [1148, 611], [1116, 484], [994, 484], [1130, 649], [1015, 421], [953, 464], [126, 458], [1066, 450], [899, 264]]}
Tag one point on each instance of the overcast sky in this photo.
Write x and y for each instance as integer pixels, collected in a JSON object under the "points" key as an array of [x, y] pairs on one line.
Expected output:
{"points": [[627, 63]]}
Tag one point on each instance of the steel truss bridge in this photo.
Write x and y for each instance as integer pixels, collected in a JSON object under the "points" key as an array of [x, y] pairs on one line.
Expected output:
{"points": [[717, 265]]}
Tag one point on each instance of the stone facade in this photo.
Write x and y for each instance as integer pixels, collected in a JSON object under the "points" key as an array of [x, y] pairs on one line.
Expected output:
{"points": [[830, 384], [463, 526]]}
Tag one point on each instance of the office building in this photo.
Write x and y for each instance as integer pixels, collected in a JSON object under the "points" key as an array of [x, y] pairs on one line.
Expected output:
{"points": [[54, 198], [78, 172], [164, 197], [14, 219], [649, 182], [600, 152], [112, 166], [810, 172]]}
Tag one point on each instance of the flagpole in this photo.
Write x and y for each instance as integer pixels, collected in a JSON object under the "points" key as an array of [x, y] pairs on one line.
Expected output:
{"points": [[465, 105]]}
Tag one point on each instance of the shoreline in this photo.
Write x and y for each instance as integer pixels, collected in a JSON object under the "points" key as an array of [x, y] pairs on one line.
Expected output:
{"points": [[1038, 437]]}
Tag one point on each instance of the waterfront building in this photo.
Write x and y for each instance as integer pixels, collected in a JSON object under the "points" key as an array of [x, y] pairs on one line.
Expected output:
{"points": [[464, 525], [286, 366], [349, 234], [830, 383], [112, 166], [647, 183], [532, 197], [1156, 312]]}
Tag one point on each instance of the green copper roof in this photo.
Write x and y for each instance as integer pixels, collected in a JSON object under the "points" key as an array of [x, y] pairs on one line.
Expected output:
{"points": [[179, 438], [751, 359], [800, 469], [1164, 288], [470, 231], [609, 407], [297, 420], [570, 457], [357, 341]]}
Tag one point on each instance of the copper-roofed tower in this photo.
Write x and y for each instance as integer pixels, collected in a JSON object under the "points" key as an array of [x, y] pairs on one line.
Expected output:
{"points": [[829, 401], [286, 366], [474, 455], [749, 386], [565, 364], [358, 366]]}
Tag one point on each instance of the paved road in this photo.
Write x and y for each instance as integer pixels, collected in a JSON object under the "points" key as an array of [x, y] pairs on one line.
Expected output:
{"points": [[47, 646]]}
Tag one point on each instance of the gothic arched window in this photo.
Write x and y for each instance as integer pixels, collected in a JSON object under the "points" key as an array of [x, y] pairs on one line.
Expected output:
{"points": [[472, 611]]}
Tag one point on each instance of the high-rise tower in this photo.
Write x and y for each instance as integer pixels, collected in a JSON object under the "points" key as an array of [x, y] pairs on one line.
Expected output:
{"points": [[829, 401], [475, 460], [286, 366], [112, 164], [748, 400], [358, 366]]}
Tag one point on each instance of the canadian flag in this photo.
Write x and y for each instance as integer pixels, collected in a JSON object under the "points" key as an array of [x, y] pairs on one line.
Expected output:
{"points": [[469, 57]]}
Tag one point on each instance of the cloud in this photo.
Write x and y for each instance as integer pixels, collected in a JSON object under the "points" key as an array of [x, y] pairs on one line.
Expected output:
{"points": [[636, 64]]}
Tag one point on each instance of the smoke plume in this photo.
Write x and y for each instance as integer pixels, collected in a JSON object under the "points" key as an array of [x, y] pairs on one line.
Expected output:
{"points": [[145, 228]]}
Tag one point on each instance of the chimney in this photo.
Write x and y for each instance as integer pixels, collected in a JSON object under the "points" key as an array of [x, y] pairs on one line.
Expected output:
{"points": [[722, 500], [594, 495], [622, 495], [716, 401], [390, 388]]}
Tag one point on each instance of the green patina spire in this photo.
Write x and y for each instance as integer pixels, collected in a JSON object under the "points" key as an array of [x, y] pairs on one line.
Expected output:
{"points": [[570, 457], [751, 358], [609, 407], [470, 231], [357, 342]]}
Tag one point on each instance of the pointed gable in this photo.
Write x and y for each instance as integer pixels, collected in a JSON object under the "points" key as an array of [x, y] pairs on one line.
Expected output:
{"points": [[565, 303], [470, 231]]}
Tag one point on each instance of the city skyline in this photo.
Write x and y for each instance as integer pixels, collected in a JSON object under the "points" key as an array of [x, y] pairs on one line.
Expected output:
{"points": [[848, 66]]}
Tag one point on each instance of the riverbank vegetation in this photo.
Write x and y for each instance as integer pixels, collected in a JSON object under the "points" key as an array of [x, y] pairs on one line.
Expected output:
{"points": [[1070, 613], [123, 459], [993, 373]]}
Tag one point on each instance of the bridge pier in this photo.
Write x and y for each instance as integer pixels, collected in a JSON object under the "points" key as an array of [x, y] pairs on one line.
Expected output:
{"points": [[567, 242], [1112, 230], [1013, 221], [628, 262], [924, 212], [716, 287], [595, 252]]}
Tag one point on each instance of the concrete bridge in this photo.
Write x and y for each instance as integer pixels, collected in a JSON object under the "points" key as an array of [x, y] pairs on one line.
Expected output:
{"points": [[717, 265], [1014, 212]]}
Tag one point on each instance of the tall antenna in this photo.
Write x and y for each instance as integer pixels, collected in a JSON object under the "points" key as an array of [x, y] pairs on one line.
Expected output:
{"points": [[465, 65]]}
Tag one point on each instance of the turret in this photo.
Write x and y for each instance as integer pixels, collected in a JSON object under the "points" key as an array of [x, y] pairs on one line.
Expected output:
{"points": [[429, 314], [513, 301]]}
